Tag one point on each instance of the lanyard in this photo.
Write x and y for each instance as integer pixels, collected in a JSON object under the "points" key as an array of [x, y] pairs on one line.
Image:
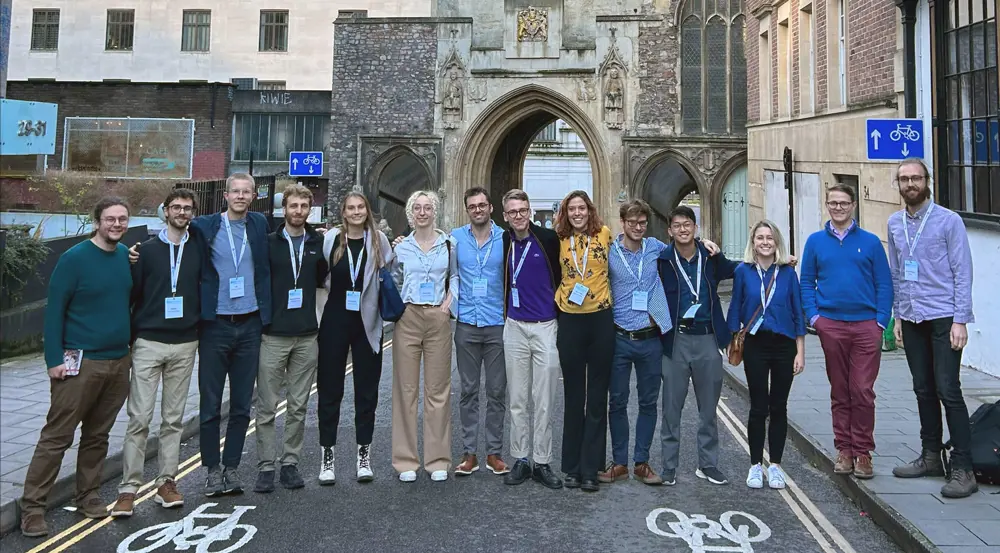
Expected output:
{"points": [[175, 264], [232, 245], [356, 269], [576, 262], [517, 271], [481, 262], [296, 259], [687, 279], [920, 229], [765, 301], [642, 259]]}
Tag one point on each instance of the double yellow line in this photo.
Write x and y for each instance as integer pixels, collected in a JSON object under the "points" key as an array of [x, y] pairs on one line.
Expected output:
{"points": [[86, 527]]}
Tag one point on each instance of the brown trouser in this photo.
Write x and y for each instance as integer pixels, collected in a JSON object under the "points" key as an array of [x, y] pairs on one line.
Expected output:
{"points": [[423, 331], [94, 398]]}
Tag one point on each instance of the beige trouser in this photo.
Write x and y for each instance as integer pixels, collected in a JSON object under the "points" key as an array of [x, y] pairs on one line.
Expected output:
{"points": [[288, 361], [533, 371], [151, 363], [423, 331]]}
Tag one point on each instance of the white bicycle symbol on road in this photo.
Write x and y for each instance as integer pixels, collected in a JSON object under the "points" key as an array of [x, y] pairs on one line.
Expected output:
{"points": [[311, 159], [904, 131], [696, 529], [184, 534]]}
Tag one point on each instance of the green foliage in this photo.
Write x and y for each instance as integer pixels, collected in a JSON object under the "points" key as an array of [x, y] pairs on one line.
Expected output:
{"points": [[21, 257]]}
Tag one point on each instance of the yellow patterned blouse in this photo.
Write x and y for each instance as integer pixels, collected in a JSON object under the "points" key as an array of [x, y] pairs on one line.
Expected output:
{"points": [[596, 278]]}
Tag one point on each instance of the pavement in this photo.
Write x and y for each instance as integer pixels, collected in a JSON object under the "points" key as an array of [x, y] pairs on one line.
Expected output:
{"points": [[24, 403], [912, 511], [478, 512]]}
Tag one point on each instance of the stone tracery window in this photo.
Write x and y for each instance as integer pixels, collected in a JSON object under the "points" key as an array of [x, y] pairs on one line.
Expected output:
{"points": [[713, 67]]}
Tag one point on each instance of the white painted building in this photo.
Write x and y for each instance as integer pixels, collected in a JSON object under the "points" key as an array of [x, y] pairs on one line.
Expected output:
{"points": [[556, 164], [282, 44]]}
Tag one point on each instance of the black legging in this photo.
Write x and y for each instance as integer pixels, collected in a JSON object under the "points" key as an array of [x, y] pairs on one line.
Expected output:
{"points": [[341, 331], [768, 354], [586, 344]]}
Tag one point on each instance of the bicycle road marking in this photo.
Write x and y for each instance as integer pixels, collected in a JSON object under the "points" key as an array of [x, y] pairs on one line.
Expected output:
{"points": [[181, 532], [696, 529]]}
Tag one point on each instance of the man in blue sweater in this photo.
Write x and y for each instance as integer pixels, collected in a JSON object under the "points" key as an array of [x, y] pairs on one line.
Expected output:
{"points": [[847, 297]]}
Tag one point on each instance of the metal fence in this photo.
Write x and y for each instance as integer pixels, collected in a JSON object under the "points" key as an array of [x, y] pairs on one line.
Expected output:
{"points": [[210, 199]]}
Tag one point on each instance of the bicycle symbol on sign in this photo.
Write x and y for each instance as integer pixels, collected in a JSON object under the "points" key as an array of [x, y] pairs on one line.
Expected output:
{"points": [[184, 533], [311, 159], [904, 131], [696, 529]]}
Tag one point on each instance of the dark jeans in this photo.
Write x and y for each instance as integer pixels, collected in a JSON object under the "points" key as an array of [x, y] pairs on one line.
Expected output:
{"points": [[935, 368], [341, 332], [647, 356], [226, 349], [768, 356], [586, 344]]}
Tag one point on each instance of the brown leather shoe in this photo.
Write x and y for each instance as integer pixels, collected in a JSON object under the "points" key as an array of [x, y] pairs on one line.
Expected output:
{"points": [[92, 508], [496, 465], [645, 474], [168, 496], [844, 463], [863, 467], [124, 506], [614, 473], [33, 526], [468, 465]]}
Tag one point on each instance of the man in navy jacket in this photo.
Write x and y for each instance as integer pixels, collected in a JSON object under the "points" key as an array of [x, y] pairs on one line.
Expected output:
{"points": [[691, 276]]}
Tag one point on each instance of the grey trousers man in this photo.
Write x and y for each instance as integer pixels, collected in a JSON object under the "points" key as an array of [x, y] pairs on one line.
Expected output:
{"points": [[695, 358], [288, 361], [478, 350]]}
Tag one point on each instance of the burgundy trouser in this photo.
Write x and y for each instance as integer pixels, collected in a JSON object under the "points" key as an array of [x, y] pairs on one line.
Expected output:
{"points": [[853, 351]]}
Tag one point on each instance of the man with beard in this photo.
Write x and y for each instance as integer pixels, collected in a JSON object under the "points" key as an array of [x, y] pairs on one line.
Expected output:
{"points": [[288, 350], [931, 265], [86, 352], [165, 313]]}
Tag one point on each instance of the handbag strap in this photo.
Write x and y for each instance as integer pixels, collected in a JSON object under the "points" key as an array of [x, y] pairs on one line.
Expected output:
{"points": [[753, 317]]}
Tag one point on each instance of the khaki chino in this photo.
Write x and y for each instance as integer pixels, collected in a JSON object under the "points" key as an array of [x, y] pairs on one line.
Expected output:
{"points": [[533, 371], [288, 361]]}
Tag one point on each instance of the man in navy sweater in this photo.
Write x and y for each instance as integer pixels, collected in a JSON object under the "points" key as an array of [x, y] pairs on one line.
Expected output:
{"points": [[847, 297]]}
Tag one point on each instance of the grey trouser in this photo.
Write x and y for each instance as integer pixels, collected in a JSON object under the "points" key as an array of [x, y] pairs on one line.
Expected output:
{"points": [[288, 361], [477, 350], [695, 357]]}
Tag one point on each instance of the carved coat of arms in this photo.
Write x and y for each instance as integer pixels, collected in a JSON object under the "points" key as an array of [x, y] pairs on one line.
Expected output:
{"points": [[533, 25]]}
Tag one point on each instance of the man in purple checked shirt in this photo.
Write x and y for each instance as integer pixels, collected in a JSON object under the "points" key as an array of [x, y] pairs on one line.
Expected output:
{"points": [[931, 265]]}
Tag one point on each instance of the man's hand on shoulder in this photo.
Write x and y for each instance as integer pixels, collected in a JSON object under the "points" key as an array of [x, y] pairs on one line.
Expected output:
{"points": [[133, 254]]}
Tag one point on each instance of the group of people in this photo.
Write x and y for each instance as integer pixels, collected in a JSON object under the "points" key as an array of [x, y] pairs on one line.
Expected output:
{"points": [[284, 309]]}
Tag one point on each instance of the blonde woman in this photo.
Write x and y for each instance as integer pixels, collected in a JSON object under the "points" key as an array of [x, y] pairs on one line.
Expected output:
{"points": [[356, 250], [426, 270], [767, 305]]}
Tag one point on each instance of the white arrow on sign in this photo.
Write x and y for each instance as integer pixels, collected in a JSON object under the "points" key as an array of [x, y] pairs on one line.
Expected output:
{"points": [[875, 136], [906, 150], [295, 163], [311, 170]]}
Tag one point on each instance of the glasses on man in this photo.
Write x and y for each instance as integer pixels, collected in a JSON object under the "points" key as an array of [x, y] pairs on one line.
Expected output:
{"points": [[478, 207], [839, 205], [523, 212], [186, 209], [630, 223], [916, 179], [686, 225], [113, 220]]}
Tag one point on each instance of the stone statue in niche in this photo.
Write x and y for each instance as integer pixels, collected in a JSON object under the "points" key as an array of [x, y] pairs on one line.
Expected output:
{"points": [[533, 25], [452, 99], [614, 100]]}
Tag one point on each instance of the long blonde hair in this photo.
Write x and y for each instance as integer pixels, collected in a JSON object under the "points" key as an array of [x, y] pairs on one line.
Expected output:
{"points": [[780, 255], [370, 228]]}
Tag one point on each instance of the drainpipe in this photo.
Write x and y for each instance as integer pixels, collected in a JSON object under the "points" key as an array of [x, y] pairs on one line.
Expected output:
{"points": [[908, 10], [789, 179]]}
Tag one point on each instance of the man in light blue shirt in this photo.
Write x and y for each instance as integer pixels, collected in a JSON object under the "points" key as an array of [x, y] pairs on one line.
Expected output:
{"points": [[479, 331]]}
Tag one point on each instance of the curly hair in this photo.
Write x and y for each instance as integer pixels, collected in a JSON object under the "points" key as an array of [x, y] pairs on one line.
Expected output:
{"points": [[594, 222], [432, 196]]}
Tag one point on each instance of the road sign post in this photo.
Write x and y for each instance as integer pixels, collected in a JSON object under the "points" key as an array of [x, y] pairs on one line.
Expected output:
{"points": [[894, 139], [305, 164]]}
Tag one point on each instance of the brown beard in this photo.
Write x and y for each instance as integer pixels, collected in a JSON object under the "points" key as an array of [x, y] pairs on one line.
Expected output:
{"points": [[924, 195]]}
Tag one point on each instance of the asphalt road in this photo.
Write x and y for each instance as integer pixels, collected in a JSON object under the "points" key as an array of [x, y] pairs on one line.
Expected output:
{"points": [[479, 513]]}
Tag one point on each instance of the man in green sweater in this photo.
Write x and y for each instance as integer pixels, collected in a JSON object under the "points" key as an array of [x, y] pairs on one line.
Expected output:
{"points": [[87, 332]]}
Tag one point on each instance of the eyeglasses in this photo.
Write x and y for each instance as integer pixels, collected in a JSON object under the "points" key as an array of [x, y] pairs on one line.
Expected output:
{"points": [[687, 225], [636, 224], [423, 209], [523, 212], [181, 209], [916, 179], [839, 205], [112, 220], [478, 207]]}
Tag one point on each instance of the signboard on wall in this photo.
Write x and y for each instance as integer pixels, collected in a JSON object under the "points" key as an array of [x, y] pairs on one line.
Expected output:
{"points": [[130, 148], [27, 128]]}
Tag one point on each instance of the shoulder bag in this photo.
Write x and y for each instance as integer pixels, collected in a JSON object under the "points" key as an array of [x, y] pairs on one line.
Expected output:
{"points": [[736, 346], [390, 303]]}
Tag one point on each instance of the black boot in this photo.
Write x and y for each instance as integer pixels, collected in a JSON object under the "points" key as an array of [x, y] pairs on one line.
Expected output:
{"points": [[928, 464]]}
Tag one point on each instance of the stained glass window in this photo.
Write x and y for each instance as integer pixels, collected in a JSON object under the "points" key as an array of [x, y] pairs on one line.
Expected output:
{"points": [[713, 67], [715, 72], [691, 93]]}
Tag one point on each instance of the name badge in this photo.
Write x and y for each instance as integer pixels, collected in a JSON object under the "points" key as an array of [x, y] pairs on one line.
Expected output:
{"points": [[236, 287], [910, 270], [514, 298], [426, 292], [756, 326], [353, 300], [173, 308], [295, 298], [640, 301], [692, 311], [579, 294], [479, 287]]}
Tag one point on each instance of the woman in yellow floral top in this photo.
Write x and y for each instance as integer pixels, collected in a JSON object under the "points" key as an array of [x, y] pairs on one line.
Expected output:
{"points": [[585, 338]]}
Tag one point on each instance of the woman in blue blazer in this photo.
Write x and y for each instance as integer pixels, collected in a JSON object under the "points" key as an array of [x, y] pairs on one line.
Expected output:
{"points": [[767, 304]]}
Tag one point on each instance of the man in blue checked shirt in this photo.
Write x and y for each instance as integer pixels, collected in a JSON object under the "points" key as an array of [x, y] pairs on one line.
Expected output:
{"points": [[641, 317], [479, 331]]}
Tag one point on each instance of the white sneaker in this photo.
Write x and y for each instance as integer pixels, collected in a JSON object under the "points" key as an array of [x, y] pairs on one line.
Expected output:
{"points": [[775, 477], [326, 474], [365, 473], [439, 475], [408, 476], [755, 478]]}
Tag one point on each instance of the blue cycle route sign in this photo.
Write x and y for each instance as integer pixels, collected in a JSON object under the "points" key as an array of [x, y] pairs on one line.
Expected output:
{"points": [[894, 139], [305, 164]]}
